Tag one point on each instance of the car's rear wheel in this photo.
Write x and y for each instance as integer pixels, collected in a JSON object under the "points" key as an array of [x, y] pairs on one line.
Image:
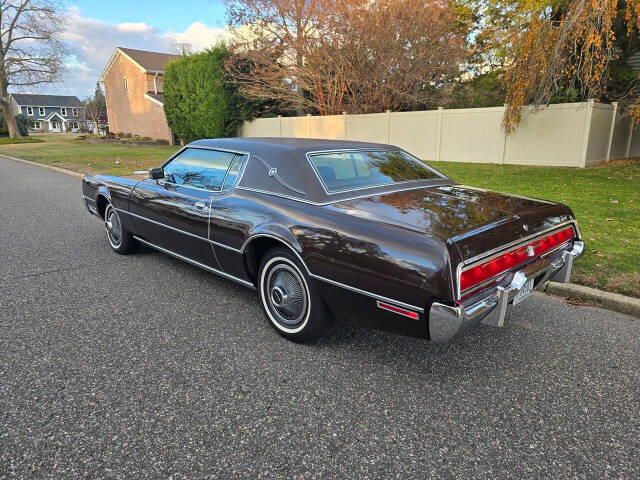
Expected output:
{"points": [[289, 298], [119, 237]]}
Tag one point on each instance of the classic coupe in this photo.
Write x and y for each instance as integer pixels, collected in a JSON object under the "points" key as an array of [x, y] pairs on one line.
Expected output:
{"points": [[327, 229]]}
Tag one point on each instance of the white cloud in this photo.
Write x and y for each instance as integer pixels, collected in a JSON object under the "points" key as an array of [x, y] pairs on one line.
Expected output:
{"points": [[199, 36], [93, 41], [134, 27]]}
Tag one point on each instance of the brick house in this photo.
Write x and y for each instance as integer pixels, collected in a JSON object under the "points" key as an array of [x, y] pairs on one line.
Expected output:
{"points": [[49, 113], [133, 90]]}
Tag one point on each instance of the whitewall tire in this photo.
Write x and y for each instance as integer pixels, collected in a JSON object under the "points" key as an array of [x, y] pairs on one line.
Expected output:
{"points": [[289, 298]]}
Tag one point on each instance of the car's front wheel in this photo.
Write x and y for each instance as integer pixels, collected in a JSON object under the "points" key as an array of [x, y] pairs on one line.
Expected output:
{"points": [[289, 298], [119, 237]]}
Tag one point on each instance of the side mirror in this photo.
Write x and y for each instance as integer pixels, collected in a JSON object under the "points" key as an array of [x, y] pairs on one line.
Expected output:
{"points": [[156, 173]]}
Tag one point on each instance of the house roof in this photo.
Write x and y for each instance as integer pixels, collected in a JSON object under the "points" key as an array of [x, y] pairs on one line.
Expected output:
{"points": [[152, 62], [156, 97], [46, 100], [49, 117]]}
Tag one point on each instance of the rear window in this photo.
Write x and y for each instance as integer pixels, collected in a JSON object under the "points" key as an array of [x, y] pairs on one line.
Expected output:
{"points": [[341, 171]]}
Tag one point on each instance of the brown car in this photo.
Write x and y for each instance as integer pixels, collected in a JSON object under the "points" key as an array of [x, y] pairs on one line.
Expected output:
{"points": [[329, 228]]}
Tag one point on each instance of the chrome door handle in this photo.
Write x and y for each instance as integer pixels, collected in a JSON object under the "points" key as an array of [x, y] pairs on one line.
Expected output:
{"points": [[200, 206]]}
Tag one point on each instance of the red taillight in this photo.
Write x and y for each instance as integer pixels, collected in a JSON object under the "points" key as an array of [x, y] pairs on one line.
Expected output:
{"points": [[513, 258]]}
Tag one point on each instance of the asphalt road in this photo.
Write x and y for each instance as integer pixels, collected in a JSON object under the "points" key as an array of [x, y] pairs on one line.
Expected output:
{"points": [[145, 367]]}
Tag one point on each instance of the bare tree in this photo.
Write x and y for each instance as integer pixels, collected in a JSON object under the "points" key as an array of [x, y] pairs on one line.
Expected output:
{"points": [[401, 54], [356, 55], [95, 109], [31, 48], [266, 30]]}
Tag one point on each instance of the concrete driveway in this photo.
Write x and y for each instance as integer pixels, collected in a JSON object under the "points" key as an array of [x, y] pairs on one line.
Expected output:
{"points": [[145, 367]]}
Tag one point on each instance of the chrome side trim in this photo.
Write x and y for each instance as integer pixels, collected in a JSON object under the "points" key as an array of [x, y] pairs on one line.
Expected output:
{"points": [[226, 247], [163, 225], [197, 264], [222, 245], [383, 149], [322, 204], [269, 235], [274, 194], [369, 294], [332, 282]]}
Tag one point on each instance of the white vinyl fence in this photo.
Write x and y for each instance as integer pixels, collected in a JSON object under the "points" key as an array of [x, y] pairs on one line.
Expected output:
{"points": [[570, 134]]}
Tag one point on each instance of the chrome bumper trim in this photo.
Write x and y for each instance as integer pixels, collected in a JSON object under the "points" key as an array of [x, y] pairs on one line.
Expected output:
{"points": [[446, 322], [90, 204]]}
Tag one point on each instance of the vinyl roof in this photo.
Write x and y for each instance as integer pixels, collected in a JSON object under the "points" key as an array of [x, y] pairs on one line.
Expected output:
{"points": [[301, 145], [278, 166]]}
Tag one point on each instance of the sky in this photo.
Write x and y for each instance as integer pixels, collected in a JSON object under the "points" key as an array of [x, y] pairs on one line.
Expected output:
{"points": [[95, 28]]}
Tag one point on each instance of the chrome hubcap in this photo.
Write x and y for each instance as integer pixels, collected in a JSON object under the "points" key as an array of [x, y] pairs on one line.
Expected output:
{"points": [[287, 296], [114, 228], [279, 297]]}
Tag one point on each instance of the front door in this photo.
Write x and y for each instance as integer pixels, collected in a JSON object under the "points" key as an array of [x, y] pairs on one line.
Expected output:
{"points": [[173, 212], [55, 126]]}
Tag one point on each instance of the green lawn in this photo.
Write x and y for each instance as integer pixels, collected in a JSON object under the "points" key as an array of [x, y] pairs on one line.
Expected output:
{"points": [[605, 199], [68, 152], [11, 141]]}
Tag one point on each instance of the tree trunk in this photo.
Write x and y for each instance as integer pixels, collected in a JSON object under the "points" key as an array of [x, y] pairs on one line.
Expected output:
{"points": [[299, 59], [97, 128], [12, 125], [5, 103]]}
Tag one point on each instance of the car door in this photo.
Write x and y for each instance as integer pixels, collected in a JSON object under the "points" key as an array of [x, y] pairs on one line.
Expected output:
{"points": [[173, 212]]}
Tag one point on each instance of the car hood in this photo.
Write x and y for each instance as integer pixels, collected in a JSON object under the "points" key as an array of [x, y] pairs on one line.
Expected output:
{"points": [[474, 219]]}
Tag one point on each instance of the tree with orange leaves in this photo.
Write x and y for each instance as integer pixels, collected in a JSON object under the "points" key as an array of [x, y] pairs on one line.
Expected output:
{"points": [[558, 44]]}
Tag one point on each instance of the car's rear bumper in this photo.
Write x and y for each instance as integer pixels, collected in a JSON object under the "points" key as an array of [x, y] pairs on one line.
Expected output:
{"points": [[446, 322]]}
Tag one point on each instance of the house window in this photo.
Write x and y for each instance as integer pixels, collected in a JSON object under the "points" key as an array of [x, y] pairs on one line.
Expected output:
{"points": [[37, 125], [41, 111], [75, 112], [75, 125], [29, 110], [63, 111], [126, 85]]}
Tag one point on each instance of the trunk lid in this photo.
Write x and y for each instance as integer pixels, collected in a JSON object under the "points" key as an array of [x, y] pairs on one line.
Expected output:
{"points": [[473, 219]]}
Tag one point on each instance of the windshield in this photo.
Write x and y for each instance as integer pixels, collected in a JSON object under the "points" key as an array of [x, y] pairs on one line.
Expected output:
{"points": [[352, 170]]}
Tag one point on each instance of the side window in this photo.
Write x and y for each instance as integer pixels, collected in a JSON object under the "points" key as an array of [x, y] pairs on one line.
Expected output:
{"points": [[234, 171], [199, 168]]}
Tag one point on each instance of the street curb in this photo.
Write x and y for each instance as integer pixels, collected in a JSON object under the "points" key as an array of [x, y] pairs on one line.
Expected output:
{"points": [[610, 301], [50, 167]]}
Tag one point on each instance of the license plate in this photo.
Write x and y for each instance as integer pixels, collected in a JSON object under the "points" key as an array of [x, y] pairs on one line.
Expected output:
{"points": [[524, 292]]}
